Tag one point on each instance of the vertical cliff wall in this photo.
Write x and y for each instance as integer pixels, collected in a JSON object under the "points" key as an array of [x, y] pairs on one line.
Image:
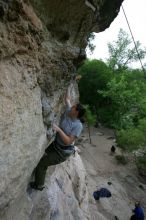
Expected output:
{"points": [[42, 43]]}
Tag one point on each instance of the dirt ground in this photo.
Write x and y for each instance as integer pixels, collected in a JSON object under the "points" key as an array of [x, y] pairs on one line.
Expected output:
{"points": [[103, 170]]}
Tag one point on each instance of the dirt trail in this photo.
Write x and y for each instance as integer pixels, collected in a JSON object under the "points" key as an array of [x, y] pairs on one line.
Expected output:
{"points": [[102, 168]]}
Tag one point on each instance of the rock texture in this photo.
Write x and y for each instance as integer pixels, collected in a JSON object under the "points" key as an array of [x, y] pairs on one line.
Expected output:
{"points": [[67, 196], [41, 45]]}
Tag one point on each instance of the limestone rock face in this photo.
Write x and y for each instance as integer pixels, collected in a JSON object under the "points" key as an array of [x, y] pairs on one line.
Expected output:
{"points": [[41, 45], [72, 21], [66, 196]]}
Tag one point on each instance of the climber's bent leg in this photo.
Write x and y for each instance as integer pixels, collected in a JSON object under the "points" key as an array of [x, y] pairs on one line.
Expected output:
{"points": [[51, 157]]}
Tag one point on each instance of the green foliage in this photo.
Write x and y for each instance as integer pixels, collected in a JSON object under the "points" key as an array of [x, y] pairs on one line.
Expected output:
{"points": [[125, 94], [90, 117], [95, 75], [142, 109], [142, 126], [117, 100], [90, 45], [141, 161], [122, 53], [132, 138], [105, 115], [141, 164]]}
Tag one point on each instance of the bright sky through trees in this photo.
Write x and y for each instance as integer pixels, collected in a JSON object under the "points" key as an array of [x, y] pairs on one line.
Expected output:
{"points": [[135, 11]]}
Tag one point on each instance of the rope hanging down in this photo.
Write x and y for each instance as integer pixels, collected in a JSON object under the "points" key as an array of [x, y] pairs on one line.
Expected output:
{"points": [[133, 38]]}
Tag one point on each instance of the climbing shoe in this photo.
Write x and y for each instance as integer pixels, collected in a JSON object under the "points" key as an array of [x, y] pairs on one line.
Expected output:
{"points": [[33, 185]]}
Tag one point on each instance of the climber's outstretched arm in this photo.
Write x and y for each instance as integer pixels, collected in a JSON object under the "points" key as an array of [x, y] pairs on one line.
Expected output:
{"points": [[68, 97]]}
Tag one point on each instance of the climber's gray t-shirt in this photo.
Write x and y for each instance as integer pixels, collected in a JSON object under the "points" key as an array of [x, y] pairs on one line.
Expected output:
{"points": [[69, 126]]}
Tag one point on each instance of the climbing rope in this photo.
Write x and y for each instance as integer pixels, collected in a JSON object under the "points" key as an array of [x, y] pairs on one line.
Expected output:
{"points": [[133, 38]]}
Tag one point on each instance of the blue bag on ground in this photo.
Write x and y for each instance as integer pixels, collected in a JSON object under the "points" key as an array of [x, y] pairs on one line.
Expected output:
{"points": [[103, 192]]}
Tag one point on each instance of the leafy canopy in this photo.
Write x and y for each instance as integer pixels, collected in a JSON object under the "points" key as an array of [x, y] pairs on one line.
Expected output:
{"points": [[122, 52], [95, 75]]}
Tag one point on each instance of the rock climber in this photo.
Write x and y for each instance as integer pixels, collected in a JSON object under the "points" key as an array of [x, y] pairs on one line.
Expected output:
{"points": [[63, 146]]}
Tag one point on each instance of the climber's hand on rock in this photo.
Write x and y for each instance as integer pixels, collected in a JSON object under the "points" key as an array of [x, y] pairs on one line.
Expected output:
{"points": [[56, 128]]}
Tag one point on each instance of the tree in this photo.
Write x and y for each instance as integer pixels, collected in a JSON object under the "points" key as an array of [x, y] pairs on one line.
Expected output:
{"points": [[90, 45], [126, 98], [122, 53], [95, 75], [90, 119]]}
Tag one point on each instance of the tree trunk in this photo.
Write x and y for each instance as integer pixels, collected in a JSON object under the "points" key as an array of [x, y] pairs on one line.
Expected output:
{"points": [[89, 132]]}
